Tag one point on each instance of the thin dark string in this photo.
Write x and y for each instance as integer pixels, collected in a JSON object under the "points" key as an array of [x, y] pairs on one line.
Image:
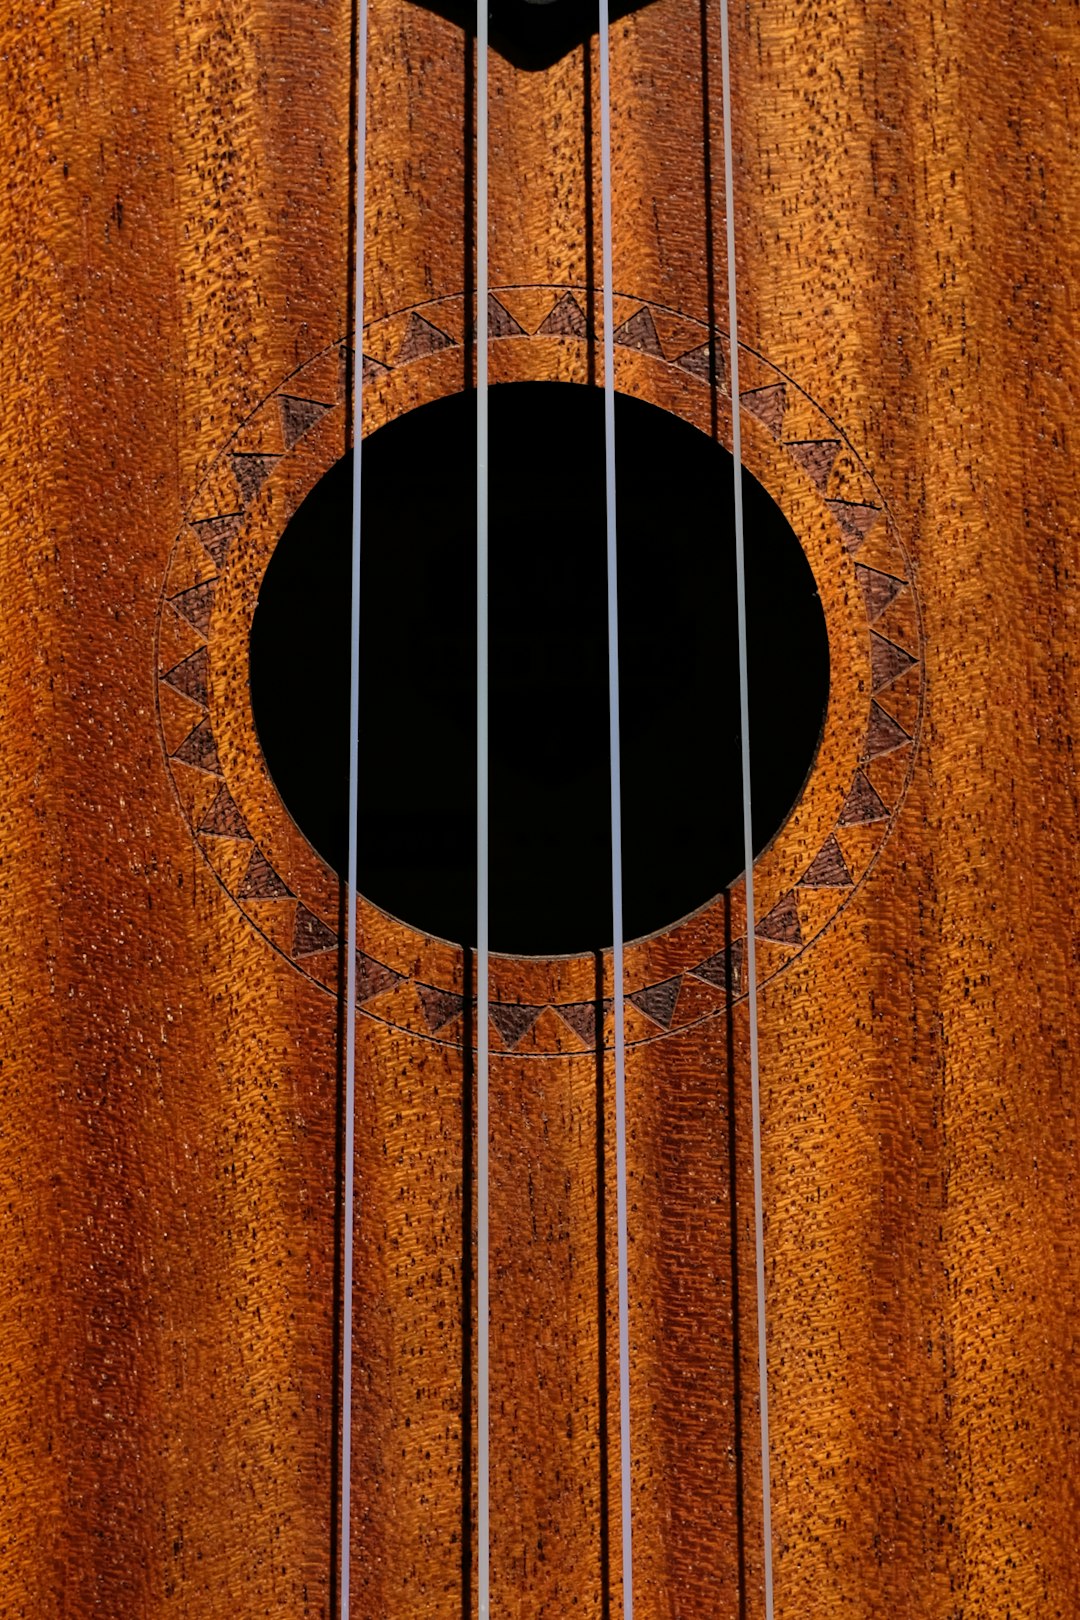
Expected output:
{"points": [[483, 1381]]}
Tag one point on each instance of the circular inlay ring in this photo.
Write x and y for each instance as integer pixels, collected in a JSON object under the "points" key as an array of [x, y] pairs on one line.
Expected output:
{"points": [[817, 860]]}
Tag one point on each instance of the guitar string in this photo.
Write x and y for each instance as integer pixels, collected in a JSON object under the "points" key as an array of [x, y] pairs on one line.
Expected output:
{"points": [[748, 838], [618, 1006], [351, 946], [483, 1489]]}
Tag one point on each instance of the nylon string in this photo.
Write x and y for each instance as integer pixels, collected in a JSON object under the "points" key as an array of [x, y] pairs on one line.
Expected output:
{"points": [[625, 1497], [748, 840], [483, 1489], [351, 947]]}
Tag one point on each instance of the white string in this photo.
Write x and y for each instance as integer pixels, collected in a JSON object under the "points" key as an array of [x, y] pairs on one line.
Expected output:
{"points": [[616, 822], [354, 775], [748, 838], [483, 1490]]}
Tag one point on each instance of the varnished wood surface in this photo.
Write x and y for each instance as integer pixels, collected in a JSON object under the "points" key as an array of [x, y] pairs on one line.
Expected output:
{"points": [[175, 247]]}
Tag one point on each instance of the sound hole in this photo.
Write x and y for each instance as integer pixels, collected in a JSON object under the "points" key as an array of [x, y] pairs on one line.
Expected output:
{"points": [[549, 806]]}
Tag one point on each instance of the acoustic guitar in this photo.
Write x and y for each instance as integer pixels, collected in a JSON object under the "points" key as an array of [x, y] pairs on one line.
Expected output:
{"points": [[184, 1253]]}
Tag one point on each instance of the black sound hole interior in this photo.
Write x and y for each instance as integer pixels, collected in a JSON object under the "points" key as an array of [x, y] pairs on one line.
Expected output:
{"points": [[549, 806]]}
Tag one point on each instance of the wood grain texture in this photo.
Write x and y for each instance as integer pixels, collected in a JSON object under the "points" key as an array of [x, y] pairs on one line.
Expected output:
{"points": [[175, 256]]}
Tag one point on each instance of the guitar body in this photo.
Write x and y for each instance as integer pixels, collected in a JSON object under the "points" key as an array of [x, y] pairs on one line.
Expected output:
{"points": [[177, 379]]}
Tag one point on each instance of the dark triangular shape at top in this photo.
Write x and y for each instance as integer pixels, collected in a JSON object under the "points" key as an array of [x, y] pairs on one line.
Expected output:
{"points": [[501, 324], [217, 534], [310, 934], [879, 589], [887, 661], [699, 363], [828, 869], [198, 749], [567, 319], [532, 36], [223, 819], [863, 804], [815, 457], [297, 416], [639, 333], [768, 405], [261, 882], [658, 1001], [856, 519], [421, 338], [724, 969], [513, 1021], [782, 922], [191, 676], [251, 473], [883, 733], [197, 605], [439, 1006]]}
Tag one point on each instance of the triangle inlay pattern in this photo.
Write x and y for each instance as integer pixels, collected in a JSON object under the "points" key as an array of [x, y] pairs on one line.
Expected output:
{"points": [[501, 324], [310, 934], [781, 923], [199, 748], [197, 604], [855, 520], [223, 819], [297, 416], [421, 338], [191, 676], [724, 969], [251, 472], [261, 882], [567, 319], [373, 978], [828, 869], [815, 457], [887, 661], [878, 588], [658, 1001], [439, 1006], [700, 363], [513, 1022], [883, 734], [767, 404], [639, 332], [581, 1017], [863, 804], [215, 534]]}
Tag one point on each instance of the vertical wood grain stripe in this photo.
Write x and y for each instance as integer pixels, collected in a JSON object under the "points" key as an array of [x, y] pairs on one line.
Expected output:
{"points": [[351, 942], [483, 1512], [748, 834], [625, 1472]]}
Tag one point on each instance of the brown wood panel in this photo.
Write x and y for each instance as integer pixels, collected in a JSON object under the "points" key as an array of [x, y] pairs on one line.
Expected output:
{"points": [[176, 255]]}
